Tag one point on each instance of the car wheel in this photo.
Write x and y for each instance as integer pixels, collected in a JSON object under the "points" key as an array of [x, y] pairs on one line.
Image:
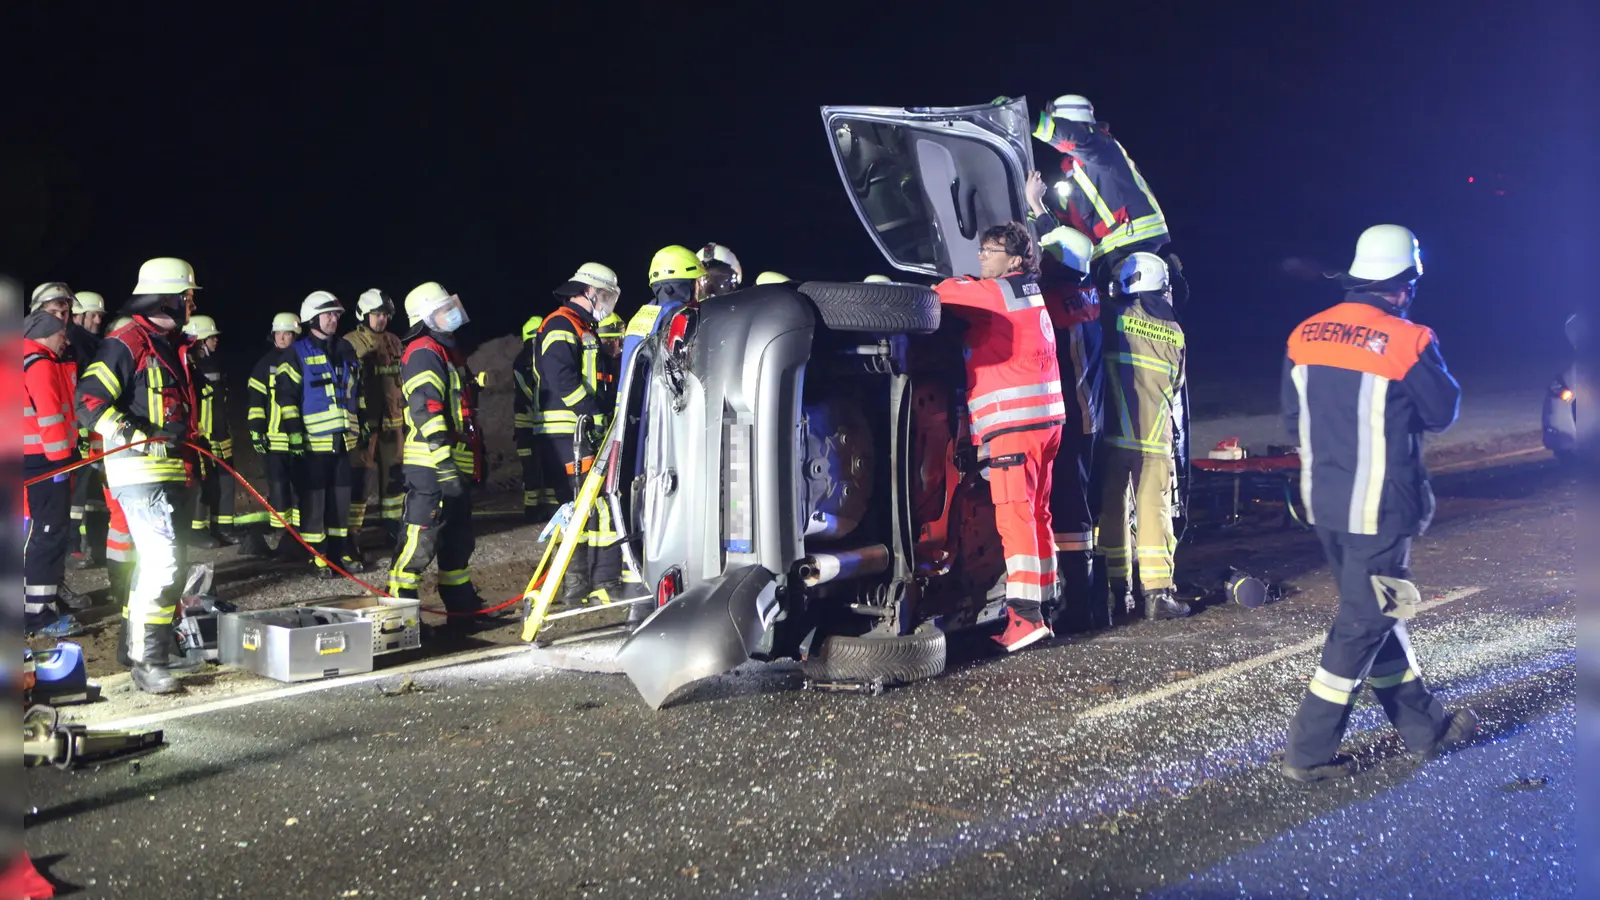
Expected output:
{"points": [[896, 660], [883, 308]]}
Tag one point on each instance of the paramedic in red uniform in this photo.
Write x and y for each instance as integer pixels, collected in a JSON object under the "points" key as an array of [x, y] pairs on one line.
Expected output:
{"points": [[1014, 398], [1361, 384]]}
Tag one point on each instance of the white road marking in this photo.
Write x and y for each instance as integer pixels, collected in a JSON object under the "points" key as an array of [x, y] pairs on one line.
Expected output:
{"points": [[309, 687], [1239, 668]]}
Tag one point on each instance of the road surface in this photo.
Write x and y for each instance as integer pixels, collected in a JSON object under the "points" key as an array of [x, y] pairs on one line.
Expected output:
{"points": [[1131, 763]]}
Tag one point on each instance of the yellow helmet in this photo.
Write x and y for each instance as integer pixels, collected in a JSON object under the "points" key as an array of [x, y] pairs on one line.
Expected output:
{"points": [[286, 321], [165, 275], [531, 327], [87, 302], [199, 328], [610, 328], [772, 278], [674, 262]]}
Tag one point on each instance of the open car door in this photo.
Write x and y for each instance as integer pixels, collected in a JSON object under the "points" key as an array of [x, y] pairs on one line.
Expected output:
{"points": [[927, 181]]}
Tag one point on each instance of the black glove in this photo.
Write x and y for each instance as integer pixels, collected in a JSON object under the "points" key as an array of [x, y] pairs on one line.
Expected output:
{"points": [[450, 484], [258, 442]]}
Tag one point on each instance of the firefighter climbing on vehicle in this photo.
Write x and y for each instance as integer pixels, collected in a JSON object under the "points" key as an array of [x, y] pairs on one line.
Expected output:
{"points": [[1016, 409], [1145, 371], [49, 442], [1105, 195], [538, 498], [375, 463], [1074, 308], [211, 519], [722, 272], [275, 442], [571, 419], [318, 384], [1361, 384], [443, 456], [137, 392]]}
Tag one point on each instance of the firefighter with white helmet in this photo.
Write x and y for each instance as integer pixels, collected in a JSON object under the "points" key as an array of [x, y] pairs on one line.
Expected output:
{"points": [[375, 464], [722, 270], [538, 498], [318, 388], [211, 524], [1361, 384], [137, 392], [55, 298], [1145, 371], [277, 444], [443, 455]]}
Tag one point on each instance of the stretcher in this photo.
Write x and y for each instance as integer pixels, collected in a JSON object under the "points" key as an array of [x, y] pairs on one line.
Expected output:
{"points": [[1248, 479]]}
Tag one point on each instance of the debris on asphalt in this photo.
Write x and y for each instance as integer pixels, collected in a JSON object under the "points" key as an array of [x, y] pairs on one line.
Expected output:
{"points": [[407, 685], [1529, 783]]}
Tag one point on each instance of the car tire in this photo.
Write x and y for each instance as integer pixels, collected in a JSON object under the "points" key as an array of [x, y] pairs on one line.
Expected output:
{"points": [[882, 308], [892, 660]]}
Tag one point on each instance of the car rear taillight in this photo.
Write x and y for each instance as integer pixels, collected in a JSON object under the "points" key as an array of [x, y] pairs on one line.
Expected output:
{"points": [[1566, 395], [679, 331], [668, 587]]}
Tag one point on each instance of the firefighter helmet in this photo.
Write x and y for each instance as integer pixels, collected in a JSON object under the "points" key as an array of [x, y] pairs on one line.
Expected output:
{"points": [[426, 299], [374, 301], [531, 327], [286, 321], [1073, 108], [1076, 248], [198, 328], [609, 328], [87, 302], [1384, 252], [723, 255], [165, 275], [48, 292], [675, 262], [772, 278], [317, 303], [1142, 273]]}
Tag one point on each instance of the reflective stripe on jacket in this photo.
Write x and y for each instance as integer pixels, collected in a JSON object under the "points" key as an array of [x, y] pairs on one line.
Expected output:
{"points": [[1360, 386], [1013, 380], [318, 379], [266, 416], [566, 372], [1145, 356], [441, 434], [377, 355], [1110, 200], [49, 428], [525, 402], [212, 421], [135, 387], [1074, 307]]}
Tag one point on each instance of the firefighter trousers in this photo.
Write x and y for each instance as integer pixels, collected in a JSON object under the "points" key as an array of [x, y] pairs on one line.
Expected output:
{"points": [[88, 511], [598, 559], [1136, 516], [1072, 520], [1019, 467], [213, 502], [390, 478], [49, 521], [152, 511], [361, 479], [437, 527], [283, 473], [538, 497], [1364, 645], [325, 502]]}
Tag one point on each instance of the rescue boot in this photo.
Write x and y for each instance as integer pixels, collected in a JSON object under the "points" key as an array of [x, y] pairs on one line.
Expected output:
{"points": [[176, 661], [289, 549], [254, 545], [202, 539], [152, 674], [576, 585], [1121, 602], [350, 557], [1459, 727], [1339, 767], [1074, 611], [1162, 604]]}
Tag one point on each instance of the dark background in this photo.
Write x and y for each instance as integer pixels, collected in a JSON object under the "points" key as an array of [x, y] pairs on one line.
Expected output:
{"points": [[495, 150]]}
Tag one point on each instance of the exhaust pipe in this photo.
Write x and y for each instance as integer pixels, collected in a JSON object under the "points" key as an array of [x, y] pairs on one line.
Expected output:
{"points": [[821, 568]]}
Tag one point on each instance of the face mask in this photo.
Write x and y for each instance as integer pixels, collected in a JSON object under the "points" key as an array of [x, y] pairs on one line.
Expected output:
{"points": [[449, 319]]}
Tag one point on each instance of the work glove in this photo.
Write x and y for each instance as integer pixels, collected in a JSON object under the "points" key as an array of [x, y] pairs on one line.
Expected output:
{"points": [[450, 483], [297, 443], [366, 433], [258, 442]]}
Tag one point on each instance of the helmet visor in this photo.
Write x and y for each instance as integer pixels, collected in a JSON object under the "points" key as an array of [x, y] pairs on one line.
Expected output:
{"points": [[448, 315]]}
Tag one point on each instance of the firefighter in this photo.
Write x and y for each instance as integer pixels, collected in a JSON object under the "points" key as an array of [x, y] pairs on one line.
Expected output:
{"points": [[566, 365], [317, 385], [443, 454], [1016, 408], [1105, 195], [211, 524], [89, 518], [375, 465], [275, 441], [609, 334], [1074, 307], [1145, 371], [538, 499], [1361, 383], [138, 390], [49, 442], [54, 298], [719, 261]]}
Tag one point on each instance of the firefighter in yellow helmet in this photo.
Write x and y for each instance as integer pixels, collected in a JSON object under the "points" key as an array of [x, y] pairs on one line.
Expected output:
{"points": [[375, 463], [772, 278], [609, 334], [538, 498], [211, 522]]}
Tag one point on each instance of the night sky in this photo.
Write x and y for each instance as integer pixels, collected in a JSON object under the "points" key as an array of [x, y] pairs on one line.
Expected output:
{"points": [[495, 152]]}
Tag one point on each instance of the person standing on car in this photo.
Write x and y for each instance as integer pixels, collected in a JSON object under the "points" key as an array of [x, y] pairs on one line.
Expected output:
{"points": [[375, 463], [566, 367], [317, 383], [1145, 370], [1016, 408], [1361, 383], [443, 455], [211, 519], [538, 500], [1074, 308], [137, 392]]}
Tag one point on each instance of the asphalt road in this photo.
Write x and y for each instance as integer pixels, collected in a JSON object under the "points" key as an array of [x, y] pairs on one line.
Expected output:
{"points": [[1135, 762]]}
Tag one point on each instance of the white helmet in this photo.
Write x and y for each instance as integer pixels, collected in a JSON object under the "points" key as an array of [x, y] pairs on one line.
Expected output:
{"points": [[198, 328], [772, 278], [374, 301], [723, 255], [1073, 108], [1077, 249], [286, 322], [87, 302], [596, 275], [1384, 252], [50, 290], [428, 298], [317, 303], [1141, 273], [878, 279], [165, 275]]}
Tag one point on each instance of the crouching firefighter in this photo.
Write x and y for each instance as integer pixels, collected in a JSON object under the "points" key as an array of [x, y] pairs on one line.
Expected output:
{"points": [[538, 499], [137, 392], [1016, 409], [1360, 385], [566, 364], [442, 456], [1074, 307], [1145, 370]]}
